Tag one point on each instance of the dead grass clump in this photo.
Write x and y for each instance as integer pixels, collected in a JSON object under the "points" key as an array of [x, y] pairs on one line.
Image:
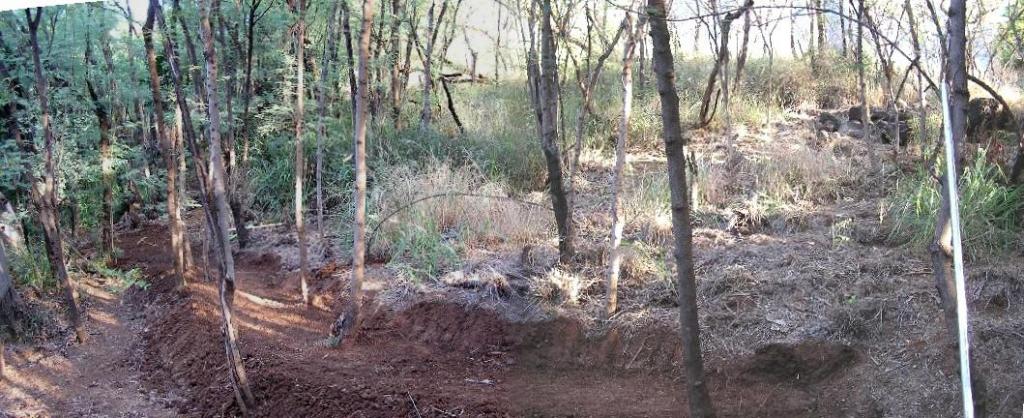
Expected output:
{"points": [[563, 287], [434, 212]]}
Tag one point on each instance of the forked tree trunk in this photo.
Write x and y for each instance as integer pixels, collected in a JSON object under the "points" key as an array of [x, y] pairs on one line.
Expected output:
{"points": [[433, 22], [300, 155], [699, 400], [175, 223], [549, 138], [618, 173], [44, 192], [321, 99], [941, 248], [219, 213], [350, 316]]}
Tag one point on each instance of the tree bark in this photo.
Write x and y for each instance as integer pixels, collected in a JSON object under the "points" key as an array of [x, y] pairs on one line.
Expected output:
{"points": [[394, 54], [175, 222], [106, 168], [433, 22], [618, 173], [741, 57], [549, 139], [300, 157], [699, 400], [321, 98], [219, 213], [862, 82], [44, 192], [941, 248], [350, 317], [346, 31], [922, 118]]}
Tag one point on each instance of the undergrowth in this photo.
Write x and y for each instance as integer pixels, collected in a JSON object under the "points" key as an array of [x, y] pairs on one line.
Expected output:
{"points": [[989, 209]]}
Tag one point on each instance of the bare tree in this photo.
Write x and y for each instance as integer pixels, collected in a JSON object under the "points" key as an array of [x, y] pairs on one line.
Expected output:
{"points": [[866, 114], [174, 218], [44, 192], [218, 212], [921, 102], [664, 69], [350, 317], [721, 65]]}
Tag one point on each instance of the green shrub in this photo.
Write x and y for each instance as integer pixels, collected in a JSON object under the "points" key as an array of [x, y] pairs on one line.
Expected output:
{"points": [[990, 210], [31, 267]]}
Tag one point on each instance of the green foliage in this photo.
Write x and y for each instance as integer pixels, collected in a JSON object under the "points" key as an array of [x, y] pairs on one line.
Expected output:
{"points": [[990, 210], [422, 251], [30, 267], [120, 280]]}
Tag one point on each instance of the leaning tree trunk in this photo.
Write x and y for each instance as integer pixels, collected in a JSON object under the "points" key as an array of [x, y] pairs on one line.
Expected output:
{"points": [[300, 157], [428, 52], [174, 219], [219, 212], [45, 192], [741, 57], [700, 401], [941, 248], [922, 118], [549, 138], [350, 316], [618, 173]]}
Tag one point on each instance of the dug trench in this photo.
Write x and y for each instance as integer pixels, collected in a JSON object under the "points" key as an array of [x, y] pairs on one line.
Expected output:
{"points": [[440, 358]]}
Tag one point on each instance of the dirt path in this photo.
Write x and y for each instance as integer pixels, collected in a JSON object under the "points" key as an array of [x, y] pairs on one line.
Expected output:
{"points": [[94, 379]]}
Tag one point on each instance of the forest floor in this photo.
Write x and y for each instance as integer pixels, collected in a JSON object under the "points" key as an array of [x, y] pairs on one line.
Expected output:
{"points": [[801, 320]]}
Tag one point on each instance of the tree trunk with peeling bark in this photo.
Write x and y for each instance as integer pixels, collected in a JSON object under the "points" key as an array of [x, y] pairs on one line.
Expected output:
{"points": [[682, 230]]}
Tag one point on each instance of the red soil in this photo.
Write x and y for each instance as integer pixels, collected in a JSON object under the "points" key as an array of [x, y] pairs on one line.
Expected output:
{"points": [[441, 359]]}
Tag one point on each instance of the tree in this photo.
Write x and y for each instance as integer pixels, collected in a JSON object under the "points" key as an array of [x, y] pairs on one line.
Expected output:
{"points": [[433, 26], [941, 248], [105, 125], [682, 230], [862, 82], [350, 316], [174, 218], [44, 192], [298, 7], [618, 173], [218, 212], [548, 109], [321, 99]]}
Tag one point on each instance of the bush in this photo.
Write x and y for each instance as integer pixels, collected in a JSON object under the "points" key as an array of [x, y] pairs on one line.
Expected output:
{"points": [[990, 210]]}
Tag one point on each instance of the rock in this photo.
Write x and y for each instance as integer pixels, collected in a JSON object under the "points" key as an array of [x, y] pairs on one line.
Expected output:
{"points": [[828, 122], [985, 115]]}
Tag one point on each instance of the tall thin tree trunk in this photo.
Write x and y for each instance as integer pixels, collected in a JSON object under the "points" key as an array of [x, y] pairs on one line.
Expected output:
{"points": [[219, 212], [394, 54], [941, 248], [922, 104], [174, 219], [300, 157], [346, 31], [428, 75], [350, 317], [321, 98], [107, 172], [618, 173], [741, 57], [842, 27], [699, 400], [44, 192], [866, 114], [549, 139]]}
